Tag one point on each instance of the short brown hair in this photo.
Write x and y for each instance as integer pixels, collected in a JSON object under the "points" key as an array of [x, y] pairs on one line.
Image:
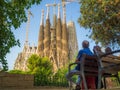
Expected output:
{"points": [[85, 44]]}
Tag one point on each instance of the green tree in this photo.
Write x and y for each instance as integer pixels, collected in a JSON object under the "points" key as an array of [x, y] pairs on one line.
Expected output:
{"points": [[40, 67], [103, 18], [12, 14]]}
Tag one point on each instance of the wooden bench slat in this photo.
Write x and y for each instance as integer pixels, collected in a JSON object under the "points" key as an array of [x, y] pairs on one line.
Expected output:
{"points": [[91, 74], [91, 71], [108, 59]]}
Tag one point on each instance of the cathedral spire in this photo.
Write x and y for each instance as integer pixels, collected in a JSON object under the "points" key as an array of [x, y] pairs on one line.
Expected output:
{"points": [[40, 47], [47, 34], [58, 38], [64, 37], [72, 40]]}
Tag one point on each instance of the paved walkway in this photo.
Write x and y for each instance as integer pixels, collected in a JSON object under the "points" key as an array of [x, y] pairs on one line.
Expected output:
{"points": [[46, 88], [35, 88]]}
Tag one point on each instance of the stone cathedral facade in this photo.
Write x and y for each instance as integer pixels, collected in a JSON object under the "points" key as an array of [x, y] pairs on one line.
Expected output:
{"points": [[56, 40]]}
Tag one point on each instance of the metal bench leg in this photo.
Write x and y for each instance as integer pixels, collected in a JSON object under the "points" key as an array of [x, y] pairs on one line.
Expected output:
{"points": [[104, 82], [70, 85], [84, 82], [99, 79]]}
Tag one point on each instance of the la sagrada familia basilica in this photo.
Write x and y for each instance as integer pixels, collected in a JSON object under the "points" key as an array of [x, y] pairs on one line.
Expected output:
{"points": [[57, 41]]}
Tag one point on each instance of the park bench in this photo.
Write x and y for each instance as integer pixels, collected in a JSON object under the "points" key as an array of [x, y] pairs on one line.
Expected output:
{"points": [[109, 66], [99, 66]]}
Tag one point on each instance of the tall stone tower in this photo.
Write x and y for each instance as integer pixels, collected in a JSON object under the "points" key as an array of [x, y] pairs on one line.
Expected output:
{"points": [[72, 40], [47, 34], [40, 48], [53, 53], [64, 58], [58, 38]]}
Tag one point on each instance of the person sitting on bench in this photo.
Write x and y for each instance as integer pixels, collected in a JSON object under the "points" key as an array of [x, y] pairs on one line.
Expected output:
{"points": [[86, 50]]}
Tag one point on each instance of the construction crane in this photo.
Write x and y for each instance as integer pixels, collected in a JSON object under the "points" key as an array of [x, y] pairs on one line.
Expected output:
{"points": [[53, 5], [64, 2], [27, 27], [70, 0], [48, 5]]}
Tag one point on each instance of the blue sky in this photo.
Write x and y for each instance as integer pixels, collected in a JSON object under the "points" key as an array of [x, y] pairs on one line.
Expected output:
{"points": [[72, 13]]}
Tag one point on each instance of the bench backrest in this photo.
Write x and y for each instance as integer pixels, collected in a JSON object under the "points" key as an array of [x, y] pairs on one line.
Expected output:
{"points": [[108, 62], [89, 65]]}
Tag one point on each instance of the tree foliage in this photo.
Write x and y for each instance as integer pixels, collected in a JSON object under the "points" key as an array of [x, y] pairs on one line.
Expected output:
{"points": [[18, 72], [103, 18], [60, 76], [12, 14], [41, 68], [62, 72], [38, 65]]}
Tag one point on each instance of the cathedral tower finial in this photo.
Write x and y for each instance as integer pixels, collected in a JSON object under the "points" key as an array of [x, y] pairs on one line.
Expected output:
{"points": [[42, 18], [58, 10], [54, 15], [48, 10], [64, 12]]}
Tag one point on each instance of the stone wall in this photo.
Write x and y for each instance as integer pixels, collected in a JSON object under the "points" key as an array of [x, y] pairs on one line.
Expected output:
{"points": [[16, 80]]}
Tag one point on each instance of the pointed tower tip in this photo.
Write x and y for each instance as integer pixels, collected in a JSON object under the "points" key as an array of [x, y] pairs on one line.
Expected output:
{"points": [[58, 10], [42, 17], [48, 10], [64, 13]]}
